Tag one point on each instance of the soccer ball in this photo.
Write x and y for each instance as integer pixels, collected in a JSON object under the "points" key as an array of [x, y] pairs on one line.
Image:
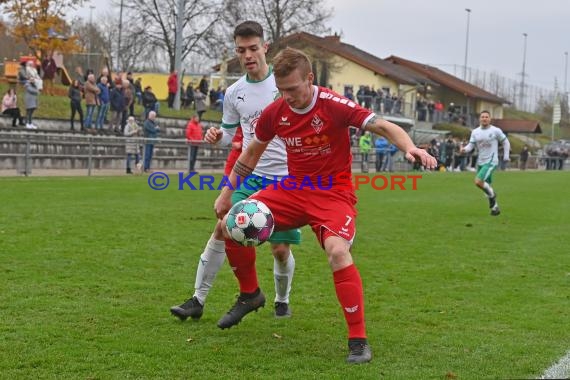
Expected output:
{"points": [[250, 222]]}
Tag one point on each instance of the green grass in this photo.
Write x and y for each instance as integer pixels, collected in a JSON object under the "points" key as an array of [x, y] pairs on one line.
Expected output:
{"points": [[57, 107], [90, 266]]}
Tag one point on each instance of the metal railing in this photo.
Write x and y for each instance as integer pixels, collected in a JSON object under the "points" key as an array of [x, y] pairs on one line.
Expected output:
{"points": [[26, 151]]}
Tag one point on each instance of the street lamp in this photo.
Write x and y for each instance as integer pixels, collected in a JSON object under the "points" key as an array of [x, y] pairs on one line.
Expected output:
{"points": [[466, 45], [90, 35], [120, 32], [523, 73], [565, 72]]}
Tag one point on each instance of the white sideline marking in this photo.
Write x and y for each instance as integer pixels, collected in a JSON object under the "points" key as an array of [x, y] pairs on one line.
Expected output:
{"points": [[560, 370]]}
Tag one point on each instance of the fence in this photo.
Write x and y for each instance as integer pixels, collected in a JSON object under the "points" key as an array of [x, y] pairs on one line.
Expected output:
{"points": [[24, 151]]}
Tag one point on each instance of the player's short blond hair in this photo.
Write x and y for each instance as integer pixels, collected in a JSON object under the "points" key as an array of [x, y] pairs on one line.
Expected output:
{"points": [[289, 60]]}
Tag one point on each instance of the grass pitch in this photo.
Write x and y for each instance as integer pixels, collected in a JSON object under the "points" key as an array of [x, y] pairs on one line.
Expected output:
{"points": [[90, 266]]}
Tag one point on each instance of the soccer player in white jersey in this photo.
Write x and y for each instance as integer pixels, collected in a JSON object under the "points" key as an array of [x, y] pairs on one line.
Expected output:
{"points": [[313, 121], [243, 103], [486, 138]]}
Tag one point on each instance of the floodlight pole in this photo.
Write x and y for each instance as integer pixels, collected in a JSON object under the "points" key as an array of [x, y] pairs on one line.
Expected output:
{"points": [[117, 65], [178, 52], [466, 45], [90, 35], [523, 74]]}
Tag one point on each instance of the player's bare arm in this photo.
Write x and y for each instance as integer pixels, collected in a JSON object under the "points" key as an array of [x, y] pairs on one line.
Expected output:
{"points": [[244, 166], [401, 139]]}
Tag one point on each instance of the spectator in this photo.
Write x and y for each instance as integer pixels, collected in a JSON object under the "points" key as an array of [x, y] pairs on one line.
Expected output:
{"points": [[49, 69], [117, 100], [74, 95], [524, 157], [194, 136], [10, 107], [388, 165], [91, 92], [31, 101], [381, 145], [438, 108], [449, 149], [149, 101], [104, 103], [22, 74], [133, 91], [151, 131], [189, 95], [172, 87], [203, 85], [80, 77], [132, 148], [138, 90], [200, 102], [365, 144], [213, 97], [128, 89], [31, 72]]}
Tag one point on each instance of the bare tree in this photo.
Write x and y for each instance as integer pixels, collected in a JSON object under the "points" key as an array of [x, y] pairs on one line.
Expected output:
{"points": [[158, 24], [281, 18]]}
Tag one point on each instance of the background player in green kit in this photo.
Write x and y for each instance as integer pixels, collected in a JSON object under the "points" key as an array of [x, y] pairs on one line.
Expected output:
{"points": [[486, 138]]}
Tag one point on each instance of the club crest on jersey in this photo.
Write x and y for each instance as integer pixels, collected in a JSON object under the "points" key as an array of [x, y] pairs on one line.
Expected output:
{"points": [[317, 124]]}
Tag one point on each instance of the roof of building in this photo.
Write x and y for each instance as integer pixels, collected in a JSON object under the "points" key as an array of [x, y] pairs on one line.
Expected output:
{"points": [[351, 53], [448, 80], [400, 70], [517, 126]]}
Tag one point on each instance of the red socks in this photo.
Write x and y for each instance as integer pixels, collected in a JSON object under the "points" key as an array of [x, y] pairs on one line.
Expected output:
{"points": [[242, 261], [348, 286]]}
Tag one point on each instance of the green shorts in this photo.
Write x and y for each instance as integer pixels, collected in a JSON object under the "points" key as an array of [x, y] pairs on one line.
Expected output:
{"points": [[254, 184], [485, 172]]}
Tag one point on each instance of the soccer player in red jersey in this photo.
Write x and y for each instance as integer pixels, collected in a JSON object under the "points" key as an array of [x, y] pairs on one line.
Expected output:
{"points": [[313, 121], [237, 142]]}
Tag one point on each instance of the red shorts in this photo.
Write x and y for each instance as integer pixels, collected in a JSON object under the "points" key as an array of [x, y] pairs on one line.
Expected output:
{"points": [[326, 211]]}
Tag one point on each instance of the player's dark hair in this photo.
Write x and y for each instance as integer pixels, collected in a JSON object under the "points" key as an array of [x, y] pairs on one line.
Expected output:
{"points": [[484, 111], [289, 60], [248, 29]]}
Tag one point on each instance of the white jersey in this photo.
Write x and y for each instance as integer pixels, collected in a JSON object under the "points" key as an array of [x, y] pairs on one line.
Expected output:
{"points": [[487, 142], [243, 103]]}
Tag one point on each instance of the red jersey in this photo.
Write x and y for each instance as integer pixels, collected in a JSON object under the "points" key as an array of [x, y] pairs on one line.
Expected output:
{"points": [[316, 138], [234, 153]]}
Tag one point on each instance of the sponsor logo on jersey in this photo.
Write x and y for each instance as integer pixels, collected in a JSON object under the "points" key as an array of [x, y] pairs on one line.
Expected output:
{"points": [[316, 140], [242, 98], [284, 121], [334, 98]]}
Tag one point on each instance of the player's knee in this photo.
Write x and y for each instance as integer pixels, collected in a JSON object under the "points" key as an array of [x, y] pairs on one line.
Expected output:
{"points": [[338, 253], [280, 251]]}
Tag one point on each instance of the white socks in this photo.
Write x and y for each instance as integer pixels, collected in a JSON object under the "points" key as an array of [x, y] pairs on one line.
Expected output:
{"points": [[488, 190], [283, 272], [211, 261]]}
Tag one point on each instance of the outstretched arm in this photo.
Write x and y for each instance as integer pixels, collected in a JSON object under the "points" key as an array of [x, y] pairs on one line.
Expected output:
{"points": [[244, 166], [401, 139]]}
